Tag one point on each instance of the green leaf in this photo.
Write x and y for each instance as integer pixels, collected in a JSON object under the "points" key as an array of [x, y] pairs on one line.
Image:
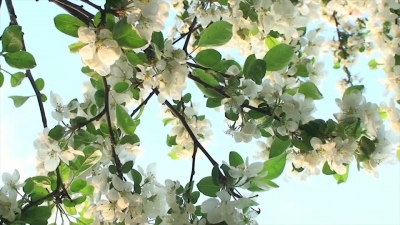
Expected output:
{"points": [[79, 200], [135, 58], [271, 41], [28, 186], [99, 98], [367, 146], [255, 184], [1, 79], [208, 79], [20, 60], [327, 169], [158, 39], [342, 178], [36, 215], [246, 68], [19, 100], [302, 71], [16, 79], [235, 159], [131, 139], [39, 83], [303, 145], [127, 167], [207, 187], [194, 196], [68, 24], [125, 121], [257, 70], [57, 132], [213, 102], [253, 114], [274, 166], [136, 176], [310, 90], [88, 190], [12, 39], [205, 77], [78, 185], [217, 34], [43, 97], [110, 20], [171, 140], [278, 57], [75, 47], [126, 35], [215, 175], [331, 126], [112, 168], [121, 87], [352, 89], [84, 137], [187, 97], [208, 58], [278, 147], [88, 162]]}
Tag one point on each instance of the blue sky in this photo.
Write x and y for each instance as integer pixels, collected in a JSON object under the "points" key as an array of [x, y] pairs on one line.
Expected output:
{"points": [[363, 199]]}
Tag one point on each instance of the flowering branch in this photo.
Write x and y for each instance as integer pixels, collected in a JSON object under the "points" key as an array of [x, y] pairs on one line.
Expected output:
{"points": [[342, 48], [221, 92], [189, 130], [117, 162]]}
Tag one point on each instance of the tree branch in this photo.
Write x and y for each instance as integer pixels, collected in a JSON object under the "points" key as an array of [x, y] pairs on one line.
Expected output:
{"points": [[28, 73], [117, 162]]}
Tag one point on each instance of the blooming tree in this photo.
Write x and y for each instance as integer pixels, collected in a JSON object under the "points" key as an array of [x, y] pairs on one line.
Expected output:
{"points": [[86, 164]]}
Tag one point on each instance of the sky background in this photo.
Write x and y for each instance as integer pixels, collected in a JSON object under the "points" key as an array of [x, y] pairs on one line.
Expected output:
{"points": [[363, 199]]}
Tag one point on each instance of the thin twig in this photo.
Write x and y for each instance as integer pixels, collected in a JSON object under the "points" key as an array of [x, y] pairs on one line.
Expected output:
{"points": [[61, 184], [205, 68], [191, 30], [185, 34], [193, 169], [142, 104], [97, 117], [117, 162], [92, 4]]}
